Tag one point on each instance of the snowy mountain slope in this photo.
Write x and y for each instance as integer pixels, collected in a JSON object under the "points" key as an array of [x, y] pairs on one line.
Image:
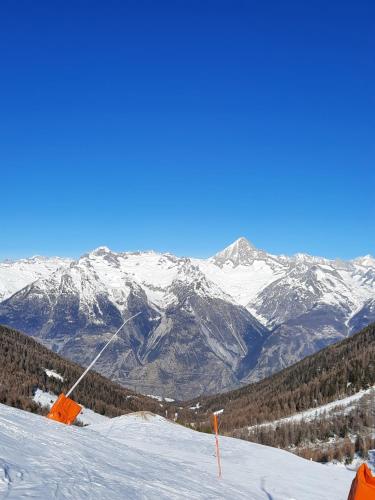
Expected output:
{"points": [[70, 298], [148, 457], [190, 338], [15, 275], [278, 288], [242, 270], [308, 302], [311, 307], [362, 317], [246, 275]]}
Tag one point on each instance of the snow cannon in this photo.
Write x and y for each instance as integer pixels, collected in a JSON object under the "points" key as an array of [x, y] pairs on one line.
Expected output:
{"points": [[363, 485], [64, 410]]}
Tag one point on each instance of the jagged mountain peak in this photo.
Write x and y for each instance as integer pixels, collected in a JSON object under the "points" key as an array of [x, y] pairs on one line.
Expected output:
{"points": [[241, 243], [102, 250], [192, 278], [365, 261], [240, 252]]}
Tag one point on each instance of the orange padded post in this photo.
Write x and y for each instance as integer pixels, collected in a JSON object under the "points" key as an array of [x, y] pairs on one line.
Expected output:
{"points": [[64, 410], [363, 485]]}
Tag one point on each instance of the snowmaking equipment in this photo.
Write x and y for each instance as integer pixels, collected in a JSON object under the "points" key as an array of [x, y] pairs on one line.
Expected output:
{"points": [[363, 485], [65, 410]]}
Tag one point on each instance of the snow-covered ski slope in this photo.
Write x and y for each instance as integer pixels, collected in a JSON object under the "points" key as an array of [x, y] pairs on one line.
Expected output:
{"points": [[144, 456]]}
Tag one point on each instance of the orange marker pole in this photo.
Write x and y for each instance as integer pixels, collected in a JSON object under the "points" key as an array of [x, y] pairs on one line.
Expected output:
{"points": [[216, 429]]}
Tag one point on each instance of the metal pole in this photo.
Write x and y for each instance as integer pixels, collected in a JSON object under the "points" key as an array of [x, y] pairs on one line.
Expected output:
{"points": [[100, 353]]}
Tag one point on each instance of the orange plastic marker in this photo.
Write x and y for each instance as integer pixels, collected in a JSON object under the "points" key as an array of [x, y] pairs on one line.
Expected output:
{"points": [[216, 429]]}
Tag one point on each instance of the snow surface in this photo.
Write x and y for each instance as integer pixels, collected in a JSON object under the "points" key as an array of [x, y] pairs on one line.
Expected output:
{"points": [[244, 282], [147, 457], [15, 275], [196, 407], [53, 374], [160, 398]]}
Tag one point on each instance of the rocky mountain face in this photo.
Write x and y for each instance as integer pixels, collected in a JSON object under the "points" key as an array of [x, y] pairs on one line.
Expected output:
{"points": [[206, 324], [190, 338], [363, 317], [306, 302]]}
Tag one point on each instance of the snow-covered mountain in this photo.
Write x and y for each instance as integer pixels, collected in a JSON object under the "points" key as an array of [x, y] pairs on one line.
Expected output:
{"points": [[278, 288], [306, 302], [145, 456], [191, 337], [243, 271], [16, 274], [207, 324]]}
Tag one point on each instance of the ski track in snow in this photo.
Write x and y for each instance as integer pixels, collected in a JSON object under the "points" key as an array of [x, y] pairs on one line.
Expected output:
{"points": [[143, 456]]}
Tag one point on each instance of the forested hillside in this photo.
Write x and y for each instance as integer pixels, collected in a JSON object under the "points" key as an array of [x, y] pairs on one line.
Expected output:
{"points": [[23, 362], [338, 370], [334, 373]]}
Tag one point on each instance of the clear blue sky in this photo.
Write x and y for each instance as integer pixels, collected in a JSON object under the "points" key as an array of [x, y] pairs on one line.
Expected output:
{"points": [[182, 125]]}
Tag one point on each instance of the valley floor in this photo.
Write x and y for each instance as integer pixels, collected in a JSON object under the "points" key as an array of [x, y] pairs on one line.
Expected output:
{"points": [[145, 456]]}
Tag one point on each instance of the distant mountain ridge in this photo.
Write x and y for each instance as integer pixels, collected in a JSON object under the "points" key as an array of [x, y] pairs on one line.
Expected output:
{"points": [[207, 324], [16, 274]]}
